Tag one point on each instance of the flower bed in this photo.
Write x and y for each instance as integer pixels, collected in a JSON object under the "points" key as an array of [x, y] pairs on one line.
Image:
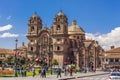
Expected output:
{"points": [[6, 72]]}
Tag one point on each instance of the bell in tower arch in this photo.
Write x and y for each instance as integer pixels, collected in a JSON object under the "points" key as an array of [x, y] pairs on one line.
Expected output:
{"points": [[34, 24], [60, 24]]}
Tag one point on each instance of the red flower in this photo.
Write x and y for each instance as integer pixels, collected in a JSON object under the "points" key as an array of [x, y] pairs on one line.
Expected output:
{"points": [[36, 59]]}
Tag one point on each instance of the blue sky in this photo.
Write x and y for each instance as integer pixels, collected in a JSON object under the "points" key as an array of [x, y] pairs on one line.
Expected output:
{"points": [[99, 18]]}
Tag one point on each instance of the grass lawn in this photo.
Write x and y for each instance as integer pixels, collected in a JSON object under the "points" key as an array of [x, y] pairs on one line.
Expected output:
{"points": [[29, 73]]}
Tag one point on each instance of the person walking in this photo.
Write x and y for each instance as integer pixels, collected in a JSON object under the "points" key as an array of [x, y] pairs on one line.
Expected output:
{"points": [[70, 70], [58, 72], [40, 72], [25, 72], [33, 70], [44, 73], [65, 71]]}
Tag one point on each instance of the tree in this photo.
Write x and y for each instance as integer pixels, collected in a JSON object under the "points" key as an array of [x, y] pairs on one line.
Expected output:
{"points": [[54, 62], [73, 66], [10, 60]]}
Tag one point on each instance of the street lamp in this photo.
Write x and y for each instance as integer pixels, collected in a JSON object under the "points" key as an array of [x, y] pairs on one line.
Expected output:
{"points": [[15, 64], [50, 65], [96, 45], [105, 60]]}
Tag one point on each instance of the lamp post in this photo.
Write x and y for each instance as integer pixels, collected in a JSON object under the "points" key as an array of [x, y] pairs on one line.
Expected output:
{"points": [[50, 56], [50, 65], [96, 45], [15, 66], [105, 61]]}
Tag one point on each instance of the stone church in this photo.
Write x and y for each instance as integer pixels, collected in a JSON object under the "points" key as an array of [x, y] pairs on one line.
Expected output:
{"points": [[66, 44]]}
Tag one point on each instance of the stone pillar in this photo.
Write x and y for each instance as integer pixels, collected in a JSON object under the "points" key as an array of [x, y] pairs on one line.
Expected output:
{"points": [[77, 61]]}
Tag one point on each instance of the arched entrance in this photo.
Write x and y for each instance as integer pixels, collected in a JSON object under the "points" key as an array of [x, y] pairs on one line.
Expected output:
{"points": [[45, 46]]}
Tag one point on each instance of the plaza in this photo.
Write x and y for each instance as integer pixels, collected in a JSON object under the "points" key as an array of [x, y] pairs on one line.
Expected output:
{"points": [[62, 46], [75, 39], [68, 77]]}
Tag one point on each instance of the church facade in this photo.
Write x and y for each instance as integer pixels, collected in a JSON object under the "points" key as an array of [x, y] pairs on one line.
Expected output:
{"points": [[66, 44]]}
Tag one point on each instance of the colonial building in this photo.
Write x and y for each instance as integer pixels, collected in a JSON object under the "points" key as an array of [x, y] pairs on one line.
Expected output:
{"points": [[111, 58], [21, 51], [4, 53], [62, 42]]}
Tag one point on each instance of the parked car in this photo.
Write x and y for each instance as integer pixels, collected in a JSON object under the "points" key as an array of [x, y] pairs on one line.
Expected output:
{"points": [[114, 76]]}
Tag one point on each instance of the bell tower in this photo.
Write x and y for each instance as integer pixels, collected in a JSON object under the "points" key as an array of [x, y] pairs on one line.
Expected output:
{"points": [[60, 25], [34, 24], [34, 28], [60, 37]]}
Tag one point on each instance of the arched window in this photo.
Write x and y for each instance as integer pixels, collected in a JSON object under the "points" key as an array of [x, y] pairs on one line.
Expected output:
{"points": [[58, 48], [32, 28], [58, 39], [31, 48], [31, 40], [58, 27], [77, 37]]}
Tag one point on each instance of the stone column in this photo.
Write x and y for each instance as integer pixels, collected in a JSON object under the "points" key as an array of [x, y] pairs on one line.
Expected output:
{"points": [[77, 61]]}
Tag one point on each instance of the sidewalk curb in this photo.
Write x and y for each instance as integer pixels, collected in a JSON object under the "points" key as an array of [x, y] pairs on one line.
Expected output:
{"points": [[82, 76]]}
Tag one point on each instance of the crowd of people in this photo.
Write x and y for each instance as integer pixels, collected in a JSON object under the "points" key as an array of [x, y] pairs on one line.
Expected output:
{"points": [[42, 72]]}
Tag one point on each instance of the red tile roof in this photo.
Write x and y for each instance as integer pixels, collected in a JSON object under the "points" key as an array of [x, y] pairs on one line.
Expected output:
{"points": [[114, 50], [6, 51]]}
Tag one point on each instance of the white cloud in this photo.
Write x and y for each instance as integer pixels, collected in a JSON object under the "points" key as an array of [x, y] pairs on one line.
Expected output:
{"points": [[106, 40], [8, 35], [6, 27], [8, 18]]}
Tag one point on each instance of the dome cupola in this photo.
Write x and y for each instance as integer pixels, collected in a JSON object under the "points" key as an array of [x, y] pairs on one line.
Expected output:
{"points": [[74, 28]]}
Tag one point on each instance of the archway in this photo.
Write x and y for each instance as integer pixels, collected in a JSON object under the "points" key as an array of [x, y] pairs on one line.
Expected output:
{"points": [[45, 46]]}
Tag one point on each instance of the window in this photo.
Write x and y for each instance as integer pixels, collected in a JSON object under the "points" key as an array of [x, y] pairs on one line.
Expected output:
{"points": [[116, 60], [58, 39], [106, 60], [58, 19], [77, 37], [111, 60], [32, 28], [74, 36], [3, 55], [31, 49], [31, 40], [58, 27], [58, 48]]}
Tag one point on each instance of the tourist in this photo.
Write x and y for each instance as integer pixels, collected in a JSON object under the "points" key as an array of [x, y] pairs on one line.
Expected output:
{"points": [[65, 71], [70, 70], [44, 73], [58, 72], [33, 70], [40, 72]]}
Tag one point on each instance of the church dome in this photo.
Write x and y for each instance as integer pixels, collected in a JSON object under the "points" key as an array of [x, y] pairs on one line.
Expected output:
{"points": [[75, 28], [22, 47]]}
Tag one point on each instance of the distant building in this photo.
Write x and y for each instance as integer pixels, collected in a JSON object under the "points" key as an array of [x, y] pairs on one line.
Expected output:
{"points": [[66, 44], [111, 59], [4, 53], [21, 51]]}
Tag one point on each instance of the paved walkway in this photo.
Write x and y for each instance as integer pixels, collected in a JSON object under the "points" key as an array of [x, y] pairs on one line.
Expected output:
{"points": [[54, 77]]}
